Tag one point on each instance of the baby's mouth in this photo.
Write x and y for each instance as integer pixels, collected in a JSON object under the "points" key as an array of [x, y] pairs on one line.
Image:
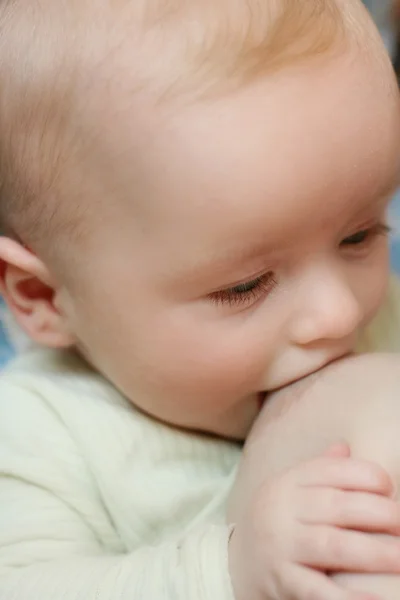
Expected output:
{"points": [[263, 396]]}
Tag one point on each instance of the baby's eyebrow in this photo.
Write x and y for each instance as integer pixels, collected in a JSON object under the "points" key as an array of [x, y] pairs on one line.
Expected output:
{"points": [[384, 196], [368, 205], [228, 268], [393, 187], [389, 190], [243, 254]]}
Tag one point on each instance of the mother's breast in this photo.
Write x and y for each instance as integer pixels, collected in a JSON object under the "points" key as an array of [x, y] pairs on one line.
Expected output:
{"points": [[356, 400]]}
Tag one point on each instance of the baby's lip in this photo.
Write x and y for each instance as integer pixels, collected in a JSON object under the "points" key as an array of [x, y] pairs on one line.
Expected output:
{"points": [[325, 364], [306, 374]]}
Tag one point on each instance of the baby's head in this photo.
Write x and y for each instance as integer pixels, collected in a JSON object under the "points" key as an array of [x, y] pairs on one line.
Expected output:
{"points": [[194, 193]]}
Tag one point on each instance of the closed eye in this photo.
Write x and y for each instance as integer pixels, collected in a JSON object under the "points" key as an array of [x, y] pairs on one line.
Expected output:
{"points": [[366, 235], [247, 292]]}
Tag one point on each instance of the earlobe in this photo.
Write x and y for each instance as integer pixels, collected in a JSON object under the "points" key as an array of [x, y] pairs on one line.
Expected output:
{"points": [[29, 290]]}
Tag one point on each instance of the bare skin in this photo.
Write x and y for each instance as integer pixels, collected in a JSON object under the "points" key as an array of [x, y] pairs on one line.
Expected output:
{"points": [[354, 401]]}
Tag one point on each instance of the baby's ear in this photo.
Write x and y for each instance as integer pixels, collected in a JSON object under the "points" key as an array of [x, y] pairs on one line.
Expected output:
{"points": [[29, 290]]}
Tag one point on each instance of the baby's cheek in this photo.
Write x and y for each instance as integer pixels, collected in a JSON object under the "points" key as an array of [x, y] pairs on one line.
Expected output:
{"points": [[209, 360], [235, 368], [376, 284]]}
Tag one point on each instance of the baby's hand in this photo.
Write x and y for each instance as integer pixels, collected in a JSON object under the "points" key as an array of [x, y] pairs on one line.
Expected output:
{"points": [[311, 520]]}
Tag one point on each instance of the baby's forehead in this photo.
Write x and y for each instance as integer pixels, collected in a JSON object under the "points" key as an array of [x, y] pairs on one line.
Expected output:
{"points": [[71, 68]]}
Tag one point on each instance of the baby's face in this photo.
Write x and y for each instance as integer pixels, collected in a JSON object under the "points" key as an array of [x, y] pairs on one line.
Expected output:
{"points": [[256, 250]]}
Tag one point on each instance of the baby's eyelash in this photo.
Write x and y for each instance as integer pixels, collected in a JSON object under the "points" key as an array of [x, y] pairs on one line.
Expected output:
{"points": [[364, 235], [245, 293]]}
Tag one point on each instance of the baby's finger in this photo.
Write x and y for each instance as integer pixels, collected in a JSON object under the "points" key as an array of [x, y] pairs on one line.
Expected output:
{"points": [[334, 549], [352, 510], [346, 474], [313, 585], [339, 450]]}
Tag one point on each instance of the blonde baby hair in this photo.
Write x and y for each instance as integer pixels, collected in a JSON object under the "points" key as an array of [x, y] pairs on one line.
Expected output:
{"points": [[57, 54]]}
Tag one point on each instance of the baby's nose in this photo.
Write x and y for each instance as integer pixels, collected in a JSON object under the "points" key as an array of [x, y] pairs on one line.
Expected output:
{"points": [[329, 312]]}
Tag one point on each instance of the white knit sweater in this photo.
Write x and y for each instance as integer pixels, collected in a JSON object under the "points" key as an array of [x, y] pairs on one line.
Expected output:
{"points": [[100, 502]]}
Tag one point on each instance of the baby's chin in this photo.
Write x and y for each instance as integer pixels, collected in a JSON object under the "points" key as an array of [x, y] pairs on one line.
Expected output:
{"points": [[235, 423]]}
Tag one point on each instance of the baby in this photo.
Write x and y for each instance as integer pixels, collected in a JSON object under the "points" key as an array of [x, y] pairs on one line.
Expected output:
{"points": [[354, 399], [194, 198]]}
